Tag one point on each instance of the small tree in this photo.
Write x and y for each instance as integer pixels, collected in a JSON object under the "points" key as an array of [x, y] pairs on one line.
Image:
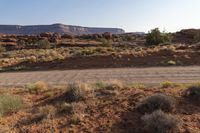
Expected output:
{"points": [[155, 37]]}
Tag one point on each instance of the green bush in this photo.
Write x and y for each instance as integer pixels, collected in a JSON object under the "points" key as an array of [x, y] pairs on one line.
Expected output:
{"points": [[157, 102], [155, 37], [9, 104], [159, 122]]}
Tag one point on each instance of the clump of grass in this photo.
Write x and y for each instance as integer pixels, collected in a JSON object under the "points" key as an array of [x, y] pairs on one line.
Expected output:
{"points": [[114, 85], [193, 93], [106, 43], [43, 44], [169, 84], [44, 112], [76, 119], [100, 85], [157, 102], [71, 108], [2, 49], [10, 104], [47, 111], [196, 84], [171, 63], [4, 129], [110, 88], [75, 110], [77, 91], [137, 86], [160, 122], [37, 87], [65, 108]]}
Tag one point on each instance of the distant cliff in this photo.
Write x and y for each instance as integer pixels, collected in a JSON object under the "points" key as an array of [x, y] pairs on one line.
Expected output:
{"points": [[59, 28]]}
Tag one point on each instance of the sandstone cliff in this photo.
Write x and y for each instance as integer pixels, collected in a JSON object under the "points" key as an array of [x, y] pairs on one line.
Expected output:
{"points": [[59, 28]]}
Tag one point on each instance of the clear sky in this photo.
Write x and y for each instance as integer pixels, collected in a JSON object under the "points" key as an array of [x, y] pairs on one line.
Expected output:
{"points": [[131, 15]]}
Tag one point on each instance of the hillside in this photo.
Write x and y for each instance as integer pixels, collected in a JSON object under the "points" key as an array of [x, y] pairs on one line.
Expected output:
{"points": [[59, 28]]}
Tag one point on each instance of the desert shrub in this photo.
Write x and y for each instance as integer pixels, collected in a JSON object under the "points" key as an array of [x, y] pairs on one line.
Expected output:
{"points": [[197, 84], [4, 129], [87, 37], [137, 86], [160, 122], [168, 84], [157, 102], [114, 85], [2, 49], [155, 37], [21, 42], [9, 104], [31, 59], [76, 92], [43, 112], [129, 38], [107, 35], [85, 52], [100, 85], [65, 108], [44, 44], [193, 93], [47, 111], [71, 108], [106, 43], [37, 87], [171, 63], [197, 37], [76, 119], [109, 88]]}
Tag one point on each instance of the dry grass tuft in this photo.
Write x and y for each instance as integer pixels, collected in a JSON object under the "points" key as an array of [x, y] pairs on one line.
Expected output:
{"points": [[114, 85], [38, 87], [77, 91], [169, 84], [47, 111], [10, 104], [137, 86]]}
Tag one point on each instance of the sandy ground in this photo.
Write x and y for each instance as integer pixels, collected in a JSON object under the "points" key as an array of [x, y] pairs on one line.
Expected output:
{"points": [[153, 75]]}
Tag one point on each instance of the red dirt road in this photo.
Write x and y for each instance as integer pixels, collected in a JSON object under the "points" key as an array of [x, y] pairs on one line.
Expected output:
{"points": [[153, 75]]}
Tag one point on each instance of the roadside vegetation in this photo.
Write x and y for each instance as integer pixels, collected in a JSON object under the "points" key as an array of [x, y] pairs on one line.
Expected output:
{"points": [[32, 59], [155, 37], [83, 107], [47, 50]]}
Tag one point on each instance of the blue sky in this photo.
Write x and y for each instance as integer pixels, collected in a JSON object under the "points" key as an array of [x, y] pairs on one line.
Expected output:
{"points": [[131, 15]]}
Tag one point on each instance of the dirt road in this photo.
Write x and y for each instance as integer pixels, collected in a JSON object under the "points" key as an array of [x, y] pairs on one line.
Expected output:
{"points": [[154, 75]]}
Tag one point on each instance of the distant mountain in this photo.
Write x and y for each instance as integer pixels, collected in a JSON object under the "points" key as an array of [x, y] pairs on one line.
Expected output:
{"points": [[59, 28], [136, 33]]}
